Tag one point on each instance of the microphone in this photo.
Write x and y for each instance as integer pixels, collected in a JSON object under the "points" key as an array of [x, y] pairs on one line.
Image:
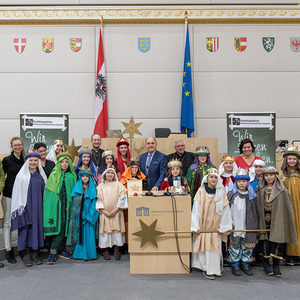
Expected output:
{"points": [[167, 193], [149, 193]]}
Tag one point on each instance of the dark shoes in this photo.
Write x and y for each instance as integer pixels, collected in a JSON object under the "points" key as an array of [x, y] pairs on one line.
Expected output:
{"points": [[236, 271], [277, 271], [211, 277], [10, 257], [289, 262], [267, 268], [36, 257], [65, 254], [247, 270], [105, 253], [117, 253], [27, 261], [1, 265], [52, 259]]}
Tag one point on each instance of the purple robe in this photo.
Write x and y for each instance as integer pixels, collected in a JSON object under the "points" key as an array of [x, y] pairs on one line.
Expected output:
{"points": [[30, 222]]}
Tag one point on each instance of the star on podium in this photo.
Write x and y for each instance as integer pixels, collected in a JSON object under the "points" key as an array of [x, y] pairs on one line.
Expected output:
{"points": [[148, 233], [135, 188]]}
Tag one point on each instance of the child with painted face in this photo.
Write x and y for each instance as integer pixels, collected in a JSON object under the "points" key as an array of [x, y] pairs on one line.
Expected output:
{"points": [[227, 171], [255, 172], [112, 199], [244, 212], [275, 214], [174, 171], [290, 177], [210, 212]]}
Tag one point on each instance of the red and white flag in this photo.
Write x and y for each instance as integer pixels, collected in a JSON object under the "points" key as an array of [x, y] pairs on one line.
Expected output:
{"points": [[20, 44], [100, 117]]}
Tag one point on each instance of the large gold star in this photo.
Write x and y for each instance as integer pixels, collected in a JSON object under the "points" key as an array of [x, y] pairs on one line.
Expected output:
{"points": [[135, 188], [131, 127], [73, 150], [188, 64], [148, 233]]}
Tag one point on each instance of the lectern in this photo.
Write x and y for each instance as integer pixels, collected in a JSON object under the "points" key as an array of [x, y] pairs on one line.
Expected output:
{"points": [[159, 212]]}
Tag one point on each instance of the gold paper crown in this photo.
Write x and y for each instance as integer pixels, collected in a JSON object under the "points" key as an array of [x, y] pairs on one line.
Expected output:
{"points": [[58, 142], [174, 163], [31, 150], [122, 140], [202, 150], [110, 167], [107, 153], [133, 159], [242, 172], [228, 158], [212, 171], [291, 150]]}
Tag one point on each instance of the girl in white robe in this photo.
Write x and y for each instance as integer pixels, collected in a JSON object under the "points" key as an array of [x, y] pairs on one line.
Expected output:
{"points": [[210, 212], [112, 199]]}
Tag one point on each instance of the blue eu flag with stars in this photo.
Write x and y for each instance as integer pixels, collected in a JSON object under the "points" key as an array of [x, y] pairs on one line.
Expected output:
{"points": [[187, 109]]}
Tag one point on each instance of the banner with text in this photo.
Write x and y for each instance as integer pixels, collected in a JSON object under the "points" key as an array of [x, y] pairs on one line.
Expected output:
{"points": [[45, 128], [259, 127]]}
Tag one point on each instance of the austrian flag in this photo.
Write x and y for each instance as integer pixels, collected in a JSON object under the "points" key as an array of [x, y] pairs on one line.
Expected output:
{"points": [[20, 44], [100, 116]]}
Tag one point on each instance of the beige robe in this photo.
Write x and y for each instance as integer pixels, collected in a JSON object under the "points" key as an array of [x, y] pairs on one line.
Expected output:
{"points": [[111, 195], [207, 254]]}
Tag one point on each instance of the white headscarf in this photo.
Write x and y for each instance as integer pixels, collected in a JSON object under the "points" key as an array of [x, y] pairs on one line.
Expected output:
{"points": [[52, 155], [20, 189], [257, 162], [222, 170], [102, 176], [219, 192]]}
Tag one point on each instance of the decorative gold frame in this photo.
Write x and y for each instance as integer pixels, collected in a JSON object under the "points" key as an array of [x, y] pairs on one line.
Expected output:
{"points": [[205, 14]]}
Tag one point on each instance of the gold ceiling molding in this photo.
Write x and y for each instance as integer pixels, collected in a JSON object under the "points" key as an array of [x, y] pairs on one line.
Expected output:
{"points": [[207, 14]]}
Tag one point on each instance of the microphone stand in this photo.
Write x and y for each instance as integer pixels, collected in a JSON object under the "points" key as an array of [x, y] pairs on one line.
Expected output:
{"points": [[149, 193]]}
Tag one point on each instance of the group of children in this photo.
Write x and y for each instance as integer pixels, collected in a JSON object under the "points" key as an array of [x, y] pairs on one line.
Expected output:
{"points": [[257, 212], [65, 209], [255, 209]]}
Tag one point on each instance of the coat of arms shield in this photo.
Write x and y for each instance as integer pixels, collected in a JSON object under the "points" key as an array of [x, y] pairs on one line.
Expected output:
{"points": [[144, 44], [212, 44], [268, 43], [48, 45]]}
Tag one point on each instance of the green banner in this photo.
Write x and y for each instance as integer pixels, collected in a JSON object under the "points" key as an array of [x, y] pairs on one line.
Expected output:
{"points": [[259, 127], [44, 128]]}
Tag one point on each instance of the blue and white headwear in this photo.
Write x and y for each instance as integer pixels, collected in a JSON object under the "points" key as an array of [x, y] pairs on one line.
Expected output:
{"points": [[242, 174], [90, 192], [257, 162]]}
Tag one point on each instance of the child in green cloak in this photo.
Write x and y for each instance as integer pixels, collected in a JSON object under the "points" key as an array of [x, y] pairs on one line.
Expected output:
{"points": [[57, 205]]}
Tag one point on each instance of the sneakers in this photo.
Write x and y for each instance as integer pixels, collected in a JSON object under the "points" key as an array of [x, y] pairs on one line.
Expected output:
{"points": [[65, 254], [211, 277], [247, 270], [105, 253], [27, 260], [296, 261], [52, 259], [1, 265], [117, 253], [236, 271], [36, 258], [10, 257]]}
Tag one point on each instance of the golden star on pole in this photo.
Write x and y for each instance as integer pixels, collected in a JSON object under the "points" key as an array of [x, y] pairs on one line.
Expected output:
{"points": [[131, 127], [73, 150], [148, 233]]}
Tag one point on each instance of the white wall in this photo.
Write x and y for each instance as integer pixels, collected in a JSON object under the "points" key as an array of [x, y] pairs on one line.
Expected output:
{"points": [[148, 85]]}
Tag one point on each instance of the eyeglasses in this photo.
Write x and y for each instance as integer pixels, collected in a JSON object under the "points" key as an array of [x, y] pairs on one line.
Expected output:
{"points": [[19, 145], [180, 146]]}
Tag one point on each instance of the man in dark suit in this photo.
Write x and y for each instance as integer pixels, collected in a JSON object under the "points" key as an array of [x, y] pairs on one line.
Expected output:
{"points": [[96, 151], [153, 164], [185, 157]]}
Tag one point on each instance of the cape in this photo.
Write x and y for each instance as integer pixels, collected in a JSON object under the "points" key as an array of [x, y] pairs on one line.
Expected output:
{"points": [[282, 221]]}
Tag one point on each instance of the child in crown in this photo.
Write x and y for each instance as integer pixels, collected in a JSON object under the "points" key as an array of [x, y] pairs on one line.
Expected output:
{"points": [[174, 171], [112, 199], [210, 212], [244, 212], [227, 171]]}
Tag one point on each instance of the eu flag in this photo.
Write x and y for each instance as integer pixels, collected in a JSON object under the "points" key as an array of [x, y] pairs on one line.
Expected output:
{"points": [[187, 109]]}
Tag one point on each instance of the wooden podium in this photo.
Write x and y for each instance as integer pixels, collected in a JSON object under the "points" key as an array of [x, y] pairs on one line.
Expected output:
{"points": [[164, 258]]}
